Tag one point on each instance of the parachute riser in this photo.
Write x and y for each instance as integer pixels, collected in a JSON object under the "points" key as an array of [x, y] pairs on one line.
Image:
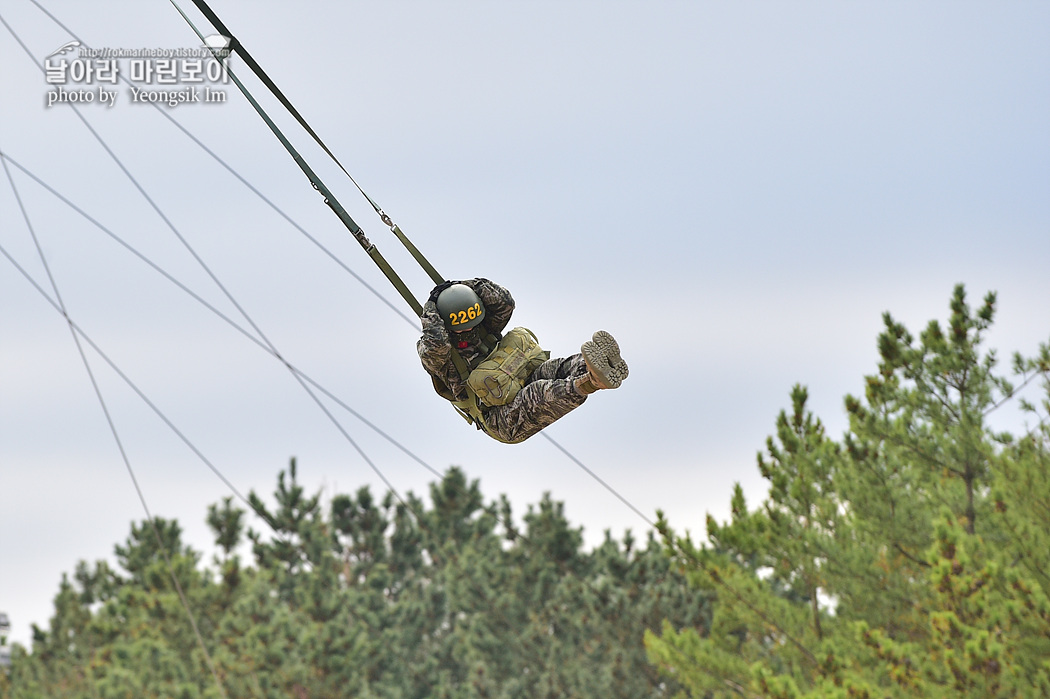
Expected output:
{"points": [[416, 254], [235, 46], [315, 181]]}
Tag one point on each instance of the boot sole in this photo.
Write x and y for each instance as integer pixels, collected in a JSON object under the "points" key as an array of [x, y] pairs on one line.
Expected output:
{"points": [[602, 353]]}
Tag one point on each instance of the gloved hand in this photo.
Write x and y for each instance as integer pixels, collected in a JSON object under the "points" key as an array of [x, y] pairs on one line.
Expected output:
{"points": [[439, 288]]}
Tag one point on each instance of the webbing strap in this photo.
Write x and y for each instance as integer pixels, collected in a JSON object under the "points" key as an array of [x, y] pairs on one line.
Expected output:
{"points": [[461, 364], [412, 249], [319, 185], [236, 45], [489, 343]]}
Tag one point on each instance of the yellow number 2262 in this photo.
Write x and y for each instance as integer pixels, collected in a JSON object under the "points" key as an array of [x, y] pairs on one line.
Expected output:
{"points": [[461, 317]]}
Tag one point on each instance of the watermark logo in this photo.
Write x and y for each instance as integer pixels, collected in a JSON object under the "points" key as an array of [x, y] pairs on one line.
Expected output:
{"points": [[65, 48], [77, 74], [218, 44]]}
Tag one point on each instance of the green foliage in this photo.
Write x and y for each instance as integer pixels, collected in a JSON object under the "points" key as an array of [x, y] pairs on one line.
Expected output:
{"points": [[364, 597], [910, 560]]}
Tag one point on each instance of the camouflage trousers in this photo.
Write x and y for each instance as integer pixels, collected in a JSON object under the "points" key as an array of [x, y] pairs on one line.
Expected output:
{"points": [[548, 394]]}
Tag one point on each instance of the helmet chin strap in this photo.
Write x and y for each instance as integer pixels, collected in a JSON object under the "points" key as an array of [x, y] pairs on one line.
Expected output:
{"points": [[472, 336], [485, 341]]}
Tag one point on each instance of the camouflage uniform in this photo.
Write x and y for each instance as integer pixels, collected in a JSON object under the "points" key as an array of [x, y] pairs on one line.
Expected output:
{"points": [[549, 392]]}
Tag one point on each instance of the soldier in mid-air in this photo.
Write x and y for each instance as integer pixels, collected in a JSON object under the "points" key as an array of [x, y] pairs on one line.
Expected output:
{"points": [[506, 384]]}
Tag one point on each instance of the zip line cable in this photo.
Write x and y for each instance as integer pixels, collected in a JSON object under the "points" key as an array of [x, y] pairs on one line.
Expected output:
{"points": [[220, 314], [160, 110], [207, 305], [244, 313], [262, 336], [116, 438], [595, 476], [127, 380]]}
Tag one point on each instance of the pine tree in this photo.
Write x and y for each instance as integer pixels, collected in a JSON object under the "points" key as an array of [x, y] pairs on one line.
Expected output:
{"points": [[397, 597], [909, 561]]}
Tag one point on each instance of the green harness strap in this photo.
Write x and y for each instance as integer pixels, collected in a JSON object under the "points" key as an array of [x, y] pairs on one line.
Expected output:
{"points": [[329, 198], [470, 409], [236, 45]]}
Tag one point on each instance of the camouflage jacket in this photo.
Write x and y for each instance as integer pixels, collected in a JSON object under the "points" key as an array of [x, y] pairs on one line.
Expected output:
{"points": [[435, 346]]}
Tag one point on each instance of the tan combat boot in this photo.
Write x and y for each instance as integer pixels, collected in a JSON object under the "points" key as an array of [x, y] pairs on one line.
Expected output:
{"points": [[605, 367]]}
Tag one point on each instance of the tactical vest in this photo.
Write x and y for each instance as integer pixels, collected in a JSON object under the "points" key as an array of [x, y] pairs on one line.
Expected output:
{"points": [[497, 378]]}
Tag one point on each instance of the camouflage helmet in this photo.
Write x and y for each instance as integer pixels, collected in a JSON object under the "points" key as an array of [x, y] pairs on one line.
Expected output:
{"points": [[460, 307]]}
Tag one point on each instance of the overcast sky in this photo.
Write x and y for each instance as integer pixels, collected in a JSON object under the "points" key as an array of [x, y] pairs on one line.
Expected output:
{"points": [[737, 191]]}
